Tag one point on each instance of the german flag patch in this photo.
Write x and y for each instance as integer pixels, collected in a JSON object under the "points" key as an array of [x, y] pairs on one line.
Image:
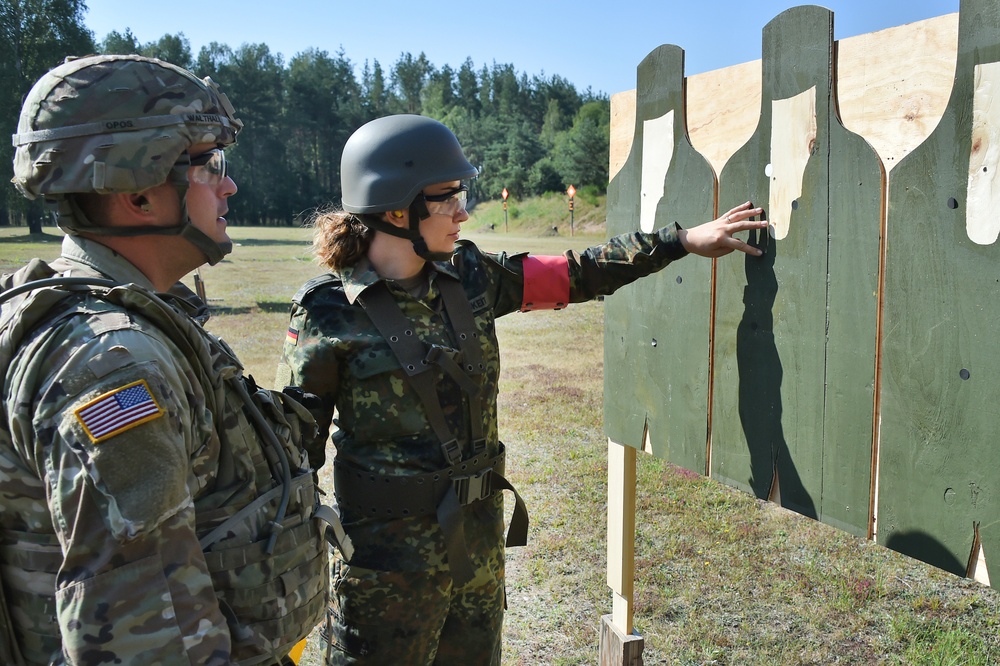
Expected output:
{"points": [[117, 411], [293, 336]]}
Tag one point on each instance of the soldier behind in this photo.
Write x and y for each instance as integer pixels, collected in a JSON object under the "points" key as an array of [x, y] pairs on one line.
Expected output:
{"points": [[150, 515], [399, 338]]}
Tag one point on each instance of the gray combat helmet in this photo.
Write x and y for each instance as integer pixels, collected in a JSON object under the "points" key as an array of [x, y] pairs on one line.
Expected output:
{"points": [[118, 124], [388, 162]]}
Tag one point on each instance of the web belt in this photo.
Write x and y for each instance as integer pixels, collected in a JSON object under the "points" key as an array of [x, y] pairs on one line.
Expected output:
{"points": [[444, 492]]}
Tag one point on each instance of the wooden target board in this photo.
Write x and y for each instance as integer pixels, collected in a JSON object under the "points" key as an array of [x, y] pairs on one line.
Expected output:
{"points": [[939, 490], [850, 373], [657, 330], [794, 348]]}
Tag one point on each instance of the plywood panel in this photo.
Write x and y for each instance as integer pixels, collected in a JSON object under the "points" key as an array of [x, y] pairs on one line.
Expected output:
{"points": [[892, 88], [622, 129], [941, 352], [657, 332], [787, 373], [981, 224], [893, 85], [722, 113], [990, 543], [723, 110], [621, 531]]}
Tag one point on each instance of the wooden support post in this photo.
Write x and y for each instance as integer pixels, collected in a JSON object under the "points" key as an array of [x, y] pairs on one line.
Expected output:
{"points": [[199, 287], [619, 646], [618, 649]]}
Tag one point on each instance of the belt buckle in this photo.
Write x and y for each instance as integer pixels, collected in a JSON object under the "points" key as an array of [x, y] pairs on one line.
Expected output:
{"points": [[473, 488]]}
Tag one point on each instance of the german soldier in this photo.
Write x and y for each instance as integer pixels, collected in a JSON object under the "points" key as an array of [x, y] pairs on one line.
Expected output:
{"points": [[399, 338]]}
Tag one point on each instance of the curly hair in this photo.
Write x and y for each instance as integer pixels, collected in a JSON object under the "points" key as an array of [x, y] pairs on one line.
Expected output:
{"points": [[340, 238]]}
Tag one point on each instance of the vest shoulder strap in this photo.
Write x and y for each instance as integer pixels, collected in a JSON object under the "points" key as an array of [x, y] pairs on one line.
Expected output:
{"points": [[313, 284]]}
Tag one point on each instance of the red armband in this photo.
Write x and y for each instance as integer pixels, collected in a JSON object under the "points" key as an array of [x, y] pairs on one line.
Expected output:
{"points": [[546, 283]]}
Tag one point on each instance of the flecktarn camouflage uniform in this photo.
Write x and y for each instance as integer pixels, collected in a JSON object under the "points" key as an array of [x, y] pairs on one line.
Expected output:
{"points": [[395, 601], [138, 496]]}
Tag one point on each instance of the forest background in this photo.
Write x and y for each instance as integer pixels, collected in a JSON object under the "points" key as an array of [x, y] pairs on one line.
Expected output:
{"points": [[531, 135]]}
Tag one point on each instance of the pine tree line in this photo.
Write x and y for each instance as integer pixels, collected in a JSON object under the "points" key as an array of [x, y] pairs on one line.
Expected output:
{"points": [[530, 134]]}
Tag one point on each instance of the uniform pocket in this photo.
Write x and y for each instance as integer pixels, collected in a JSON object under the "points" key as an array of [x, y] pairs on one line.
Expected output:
{"points": [[391, 617], [108, 615]]}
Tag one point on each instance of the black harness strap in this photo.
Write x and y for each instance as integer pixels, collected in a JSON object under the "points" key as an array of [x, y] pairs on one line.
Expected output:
{"points": [[412, 355], [463, 324], [445, 492], [403, 495]]}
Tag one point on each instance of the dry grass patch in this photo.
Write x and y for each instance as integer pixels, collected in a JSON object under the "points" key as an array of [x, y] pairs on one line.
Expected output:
{"points": [[722, 578]]}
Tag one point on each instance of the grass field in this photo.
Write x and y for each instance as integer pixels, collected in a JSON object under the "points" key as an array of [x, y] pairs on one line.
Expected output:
{"points": [[722, 578]]}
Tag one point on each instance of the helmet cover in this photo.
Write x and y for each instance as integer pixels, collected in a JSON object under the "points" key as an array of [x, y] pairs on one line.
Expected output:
{"points": [[115, 123]]}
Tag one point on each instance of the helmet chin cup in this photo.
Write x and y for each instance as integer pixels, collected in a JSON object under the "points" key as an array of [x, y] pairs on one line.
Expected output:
{"points": [[214, 252]]}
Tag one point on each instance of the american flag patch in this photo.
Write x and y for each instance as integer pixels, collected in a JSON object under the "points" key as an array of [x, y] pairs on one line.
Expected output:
{"points": [[117, 411], [292, 337]]}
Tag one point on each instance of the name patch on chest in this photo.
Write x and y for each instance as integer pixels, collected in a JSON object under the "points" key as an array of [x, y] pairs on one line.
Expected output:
{"points": [[478, 303]]}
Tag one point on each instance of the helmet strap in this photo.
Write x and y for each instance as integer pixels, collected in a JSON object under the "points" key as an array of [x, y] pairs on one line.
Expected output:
{"points": [[411, 233], [71, 219], [214, 252], [418, 211], [375, 221]]}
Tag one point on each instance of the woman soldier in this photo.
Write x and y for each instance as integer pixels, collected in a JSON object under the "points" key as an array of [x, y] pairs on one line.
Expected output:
{"points": [[399, 338]]}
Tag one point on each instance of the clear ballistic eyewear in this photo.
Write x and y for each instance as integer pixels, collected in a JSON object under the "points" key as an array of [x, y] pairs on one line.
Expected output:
{"points": [[209, 168], [448, 203]]}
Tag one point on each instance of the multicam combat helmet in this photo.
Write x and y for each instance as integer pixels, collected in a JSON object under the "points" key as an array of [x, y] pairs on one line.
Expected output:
{"points": [[117, 124], [388, 162]]}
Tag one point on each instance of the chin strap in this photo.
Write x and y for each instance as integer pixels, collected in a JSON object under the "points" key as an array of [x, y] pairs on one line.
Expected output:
{"points": [[71, 219], [418, 211], [214, 251]]}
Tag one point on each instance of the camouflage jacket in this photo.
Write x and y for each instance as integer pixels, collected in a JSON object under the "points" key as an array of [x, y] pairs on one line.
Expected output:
{"points": [[137, 493], [334, 350]]}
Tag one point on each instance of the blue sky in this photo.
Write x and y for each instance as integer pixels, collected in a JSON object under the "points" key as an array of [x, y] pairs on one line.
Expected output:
{"points": [[591, 43]]}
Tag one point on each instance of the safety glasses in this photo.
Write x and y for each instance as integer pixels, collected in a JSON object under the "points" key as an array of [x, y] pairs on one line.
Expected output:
{"points": [[447, 203], [209, 168]]}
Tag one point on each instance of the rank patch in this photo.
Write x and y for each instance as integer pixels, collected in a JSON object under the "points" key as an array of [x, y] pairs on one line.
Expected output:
{"points": [[117, 411]]}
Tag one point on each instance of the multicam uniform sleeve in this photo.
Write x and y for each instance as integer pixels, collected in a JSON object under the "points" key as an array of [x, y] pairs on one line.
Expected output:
{"points": [[551, 282], [308, 361], [119, 434]]}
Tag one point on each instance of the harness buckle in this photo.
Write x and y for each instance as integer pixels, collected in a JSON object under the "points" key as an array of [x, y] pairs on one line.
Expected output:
{"points": [[452, 451], [473, 488]]}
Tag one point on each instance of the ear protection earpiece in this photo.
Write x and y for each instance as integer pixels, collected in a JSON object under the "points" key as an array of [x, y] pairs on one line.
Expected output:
{"points": [[398, 214]]}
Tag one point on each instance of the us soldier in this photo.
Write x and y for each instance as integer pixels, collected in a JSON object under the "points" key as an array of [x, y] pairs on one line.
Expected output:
{"points": [[150, 513], [399, 338]]}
